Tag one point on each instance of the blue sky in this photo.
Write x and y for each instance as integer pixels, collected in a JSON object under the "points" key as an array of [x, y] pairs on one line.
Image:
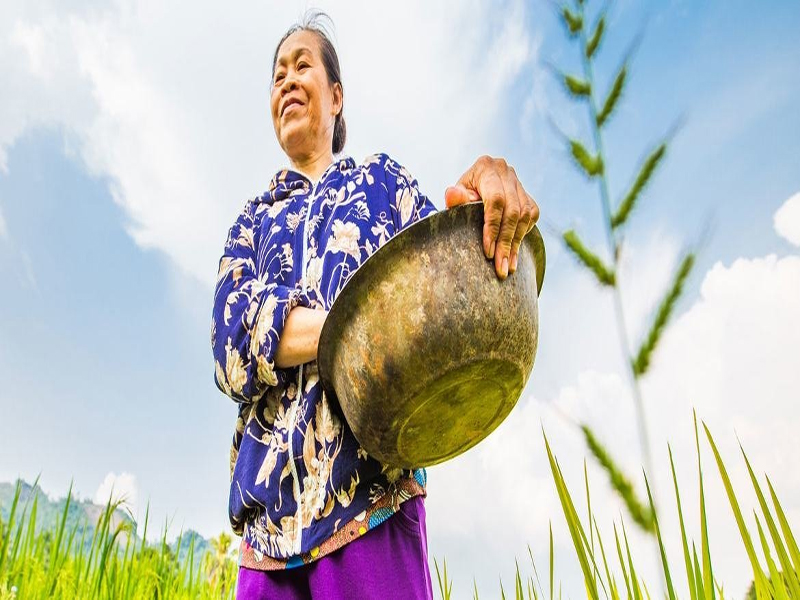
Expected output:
{"points": [[130, 136]]}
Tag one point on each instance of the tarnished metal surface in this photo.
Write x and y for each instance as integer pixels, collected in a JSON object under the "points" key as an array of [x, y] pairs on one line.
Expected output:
{"points": [[426, 350]]}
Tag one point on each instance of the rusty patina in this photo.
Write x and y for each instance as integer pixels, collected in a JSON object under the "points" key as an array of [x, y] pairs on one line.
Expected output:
{"points": [[425, 348]]}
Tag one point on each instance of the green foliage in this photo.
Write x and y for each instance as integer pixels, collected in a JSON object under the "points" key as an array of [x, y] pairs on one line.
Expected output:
{"points": [[104, 560], [445, 584], [789, 578], [686, 557], [779, 581], [645, 173], [641, 514], [642, 360], [706, 586], [596, 37], [613, 97], [577, 87], [591, 165], [604, 275], [760, 579], [573, 22], [574, 524], [662, 552]]}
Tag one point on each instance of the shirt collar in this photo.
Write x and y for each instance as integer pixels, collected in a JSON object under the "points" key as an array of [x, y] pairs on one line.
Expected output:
{"points": [[286, 181]]}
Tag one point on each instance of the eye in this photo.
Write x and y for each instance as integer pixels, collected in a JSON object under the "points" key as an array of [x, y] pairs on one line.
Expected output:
{"points": [[278, 77], [302, 66]]}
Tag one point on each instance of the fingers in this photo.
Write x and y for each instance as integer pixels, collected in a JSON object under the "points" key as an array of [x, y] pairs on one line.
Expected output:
{"points": [[458, 194], [509, 211], [525, 218], [509, 225], [493, 193]]}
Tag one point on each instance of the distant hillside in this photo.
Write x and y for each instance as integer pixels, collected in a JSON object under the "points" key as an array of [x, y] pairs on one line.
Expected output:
{"points": [[82, 514]]}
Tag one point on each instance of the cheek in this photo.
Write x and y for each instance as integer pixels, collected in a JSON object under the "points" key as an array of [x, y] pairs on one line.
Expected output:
{"points": [[273, 106]]}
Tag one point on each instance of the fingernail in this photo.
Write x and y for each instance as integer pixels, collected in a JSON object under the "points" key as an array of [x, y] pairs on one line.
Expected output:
{"points": [[492, 248], [514, 263], [505, 266]]}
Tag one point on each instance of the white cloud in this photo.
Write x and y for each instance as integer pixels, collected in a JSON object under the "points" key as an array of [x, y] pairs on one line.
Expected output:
{"points": [[121, 488], [175, 110], [787, 220]]}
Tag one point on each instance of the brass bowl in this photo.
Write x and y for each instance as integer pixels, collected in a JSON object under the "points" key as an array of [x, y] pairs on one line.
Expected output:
{"points": [[426, 350]]}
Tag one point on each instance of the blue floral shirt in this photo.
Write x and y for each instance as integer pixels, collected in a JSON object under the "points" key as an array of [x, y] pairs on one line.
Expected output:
{"points": [[301, 485]]}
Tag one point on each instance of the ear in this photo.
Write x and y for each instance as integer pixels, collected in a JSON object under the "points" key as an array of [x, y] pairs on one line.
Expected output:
{"points": [[338, 98]]}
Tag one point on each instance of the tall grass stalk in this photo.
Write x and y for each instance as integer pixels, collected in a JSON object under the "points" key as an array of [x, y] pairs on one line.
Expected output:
{"points": [[594, 164], [592, 160]]}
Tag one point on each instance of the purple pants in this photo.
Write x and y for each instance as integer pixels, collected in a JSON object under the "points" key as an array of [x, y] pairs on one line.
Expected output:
{"points": [[389, 561]]}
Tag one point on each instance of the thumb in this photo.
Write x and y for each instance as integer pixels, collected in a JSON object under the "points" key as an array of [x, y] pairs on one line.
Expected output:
{"points": [[458, 194]]}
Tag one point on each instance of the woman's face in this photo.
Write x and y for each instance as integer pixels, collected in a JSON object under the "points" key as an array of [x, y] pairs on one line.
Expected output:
{"points": [[303, 105]]}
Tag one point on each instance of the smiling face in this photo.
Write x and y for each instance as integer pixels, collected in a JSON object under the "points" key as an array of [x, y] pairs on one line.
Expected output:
{"points": [[303, 103]]}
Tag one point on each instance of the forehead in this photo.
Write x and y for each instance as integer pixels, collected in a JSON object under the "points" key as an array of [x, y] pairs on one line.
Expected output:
{"points": [[297, 43]]}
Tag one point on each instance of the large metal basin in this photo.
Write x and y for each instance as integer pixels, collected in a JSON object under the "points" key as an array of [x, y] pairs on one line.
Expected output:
{"points": [[426, 350]]}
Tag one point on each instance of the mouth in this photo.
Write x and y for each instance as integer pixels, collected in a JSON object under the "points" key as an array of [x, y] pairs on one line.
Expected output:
{"points": [[288, 106]]}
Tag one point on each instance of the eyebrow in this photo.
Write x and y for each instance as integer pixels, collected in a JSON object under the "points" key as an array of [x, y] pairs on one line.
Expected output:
{"points": [[295, 54]]}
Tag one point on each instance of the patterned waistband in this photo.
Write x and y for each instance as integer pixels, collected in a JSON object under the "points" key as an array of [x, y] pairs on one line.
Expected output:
{"points": [[377, 513]]}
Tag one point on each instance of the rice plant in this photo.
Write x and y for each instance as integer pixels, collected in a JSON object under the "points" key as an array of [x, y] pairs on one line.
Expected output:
{"points": [[609, 566], [592, 161], [107, 560]]}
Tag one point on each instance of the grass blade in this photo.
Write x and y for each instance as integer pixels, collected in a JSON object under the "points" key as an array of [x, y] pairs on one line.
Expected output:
{"points": [[604, 275], [645, 173], [758, 574], [641, 514], [573, 523], [686, 557], [579, 88], [596, 37], [613, 96], [637, 591], [670, 588], [612, 586], [708, 576], [777, 589], [783, 557], [591, 165], [787, 531], [622, 562], [642, 360], [572, 22]]}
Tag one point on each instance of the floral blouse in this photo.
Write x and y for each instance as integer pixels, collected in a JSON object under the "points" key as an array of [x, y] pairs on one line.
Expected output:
{"points": [[301, 486]]}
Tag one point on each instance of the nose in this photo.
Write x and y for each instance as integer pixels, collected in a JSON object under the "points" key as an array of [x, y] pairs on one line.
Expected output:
{"points": [[288, 84]]}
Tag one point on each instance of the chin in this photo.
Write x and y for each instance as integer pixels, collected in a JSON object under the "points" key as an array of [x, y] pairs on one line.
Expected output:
{"points": [[294, 139]]}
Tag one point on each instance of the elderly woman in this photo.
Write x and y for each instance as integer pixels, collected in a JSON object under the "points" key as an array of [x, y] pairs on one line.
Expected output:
{"points": [[318, 516]]}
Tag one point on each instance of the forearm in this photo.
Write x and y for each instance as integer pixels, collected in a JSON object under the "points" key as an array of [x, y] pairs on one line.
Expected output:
{"points": [[300, 338]]}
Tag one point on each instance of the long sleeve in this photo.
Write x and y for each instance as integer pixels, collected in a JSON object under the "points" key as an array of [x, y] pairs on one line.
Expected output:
{"points": [[248, 317], [407, 203]]}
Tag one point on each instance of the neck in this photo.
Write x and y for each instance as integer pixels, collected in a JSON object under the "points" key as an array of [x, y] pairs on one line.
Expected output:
{"points": [[314, 165]]}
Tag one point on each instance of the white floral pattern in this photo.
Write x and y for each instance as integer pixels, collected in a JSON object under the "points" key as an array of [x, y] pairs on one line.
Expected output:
{"points": [[278, 505]]}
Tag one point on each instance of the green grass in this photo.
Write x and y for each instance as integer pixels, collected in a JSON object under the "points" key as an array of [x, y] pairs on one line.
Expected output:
{"points": [[775, 561], [104, 561], [110, 561]]}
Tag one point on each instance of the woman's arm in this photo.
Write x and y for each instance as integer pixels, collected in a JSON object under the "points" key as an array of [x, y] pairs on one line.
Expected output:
{"points": [[248, 316], [300, 339]]}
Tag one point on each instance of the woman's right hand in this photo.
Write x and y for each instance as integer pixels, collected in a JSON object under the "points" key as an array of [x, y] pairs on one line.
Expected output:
{"points": [[509, 211]]}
